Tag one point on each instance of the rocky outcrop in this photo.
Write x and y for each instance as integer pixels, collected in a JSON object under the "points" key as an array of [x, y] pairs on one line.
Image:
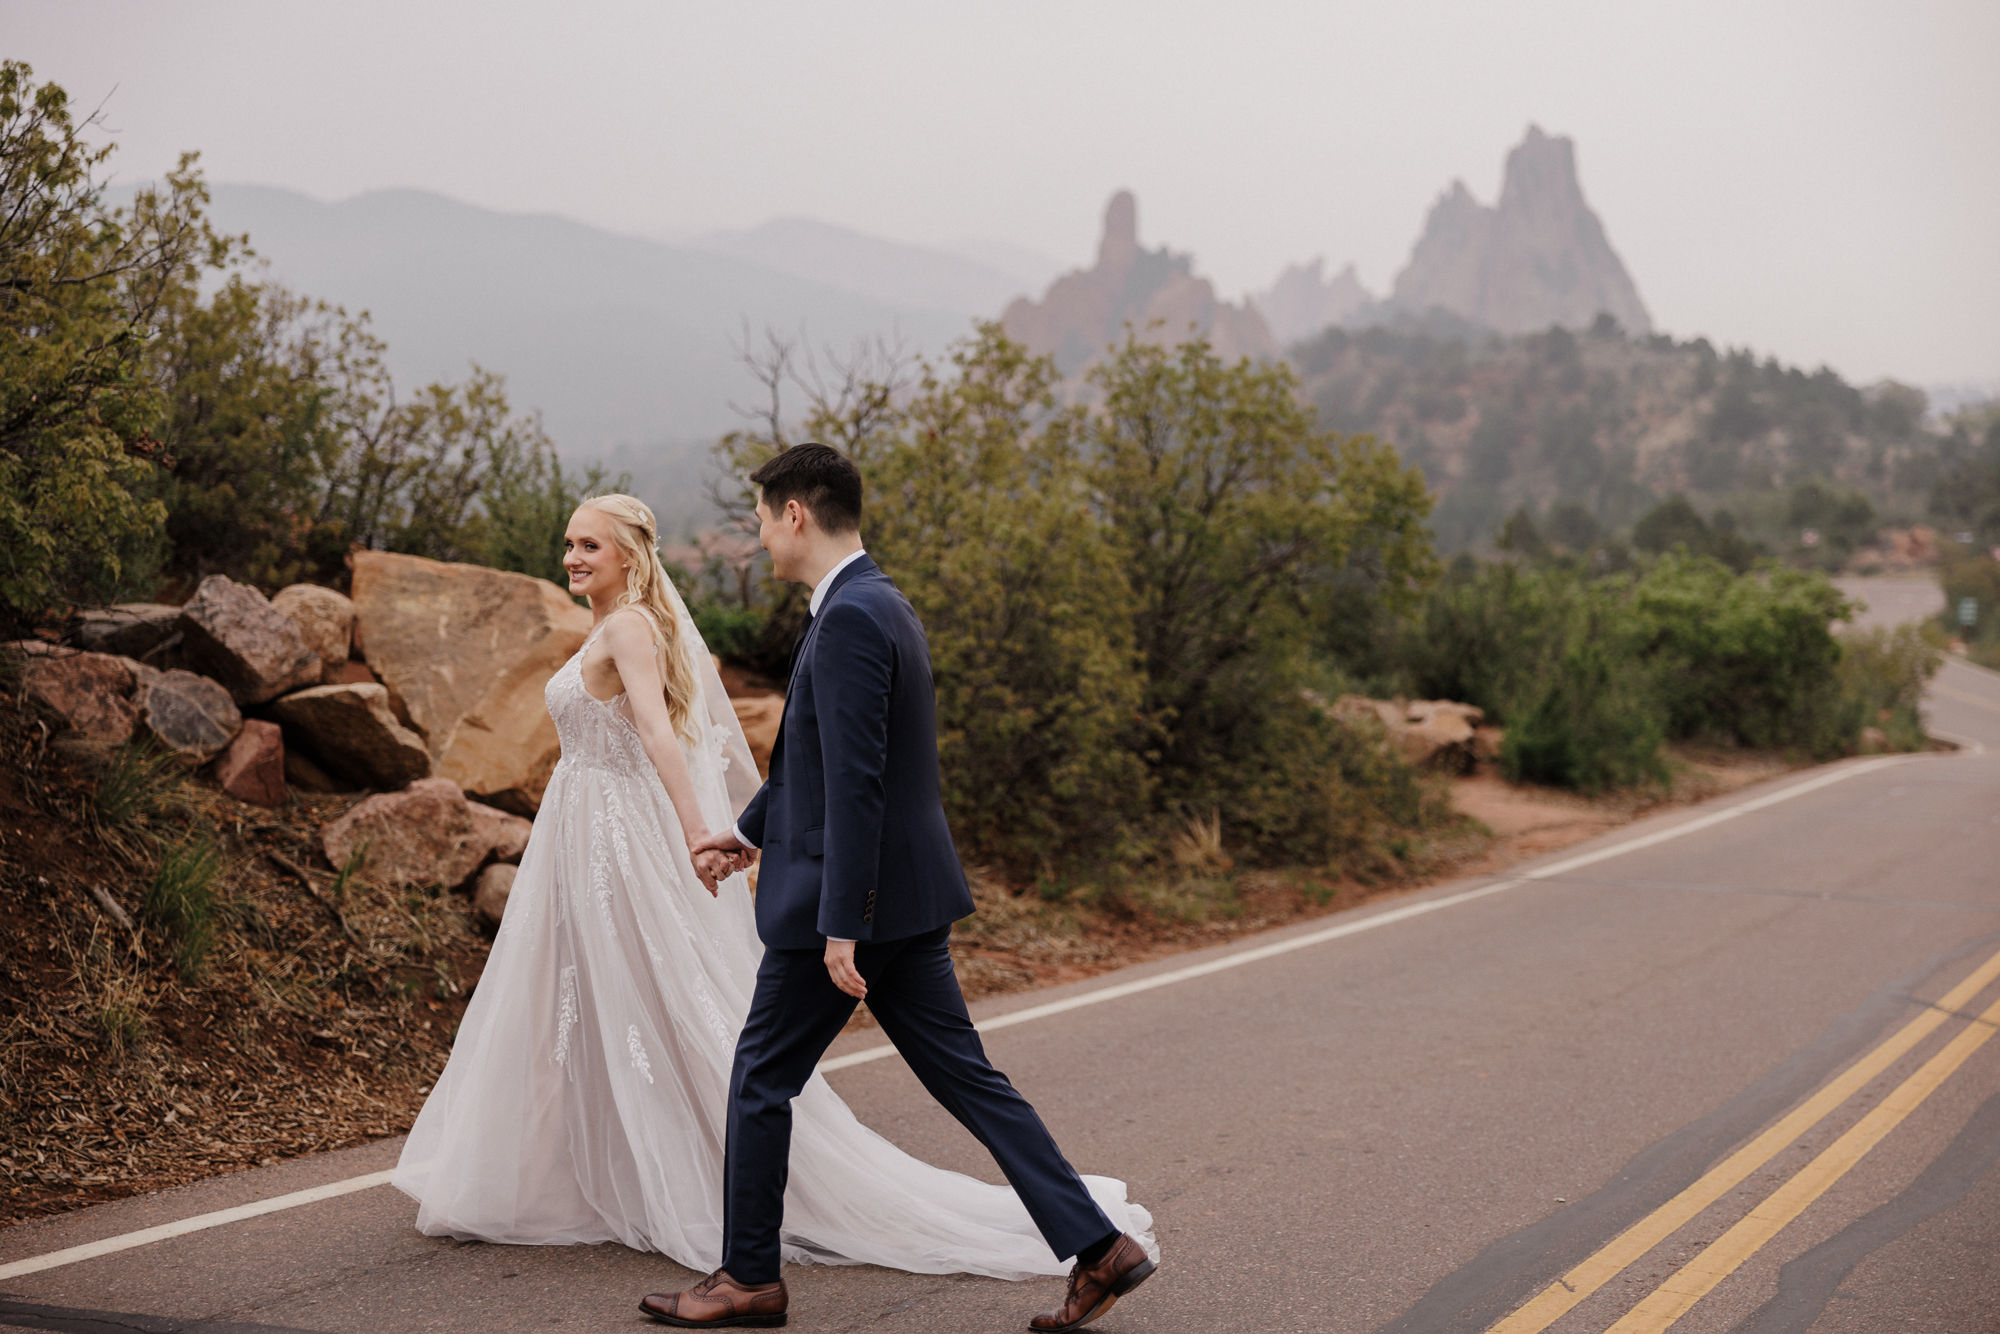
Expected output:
{"points": [[103, 700], [325, 620], [128, 630], [1304, 302], [253, 768], [427, 834], [352, 732], [187, 713], [1154, 291], [1540, 257], [232, 633], [1433, 733], [467, 651], [90, 694], [489, 896], [505, 836]]}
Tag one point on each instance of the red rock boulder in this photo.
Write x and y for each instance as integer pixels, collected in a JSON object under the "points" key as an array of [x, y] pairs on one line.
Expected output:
{"points": [[325, 620], [187, 713], [232, 632], [253, 768], [427, 834], [467, 651], [90, 694]]}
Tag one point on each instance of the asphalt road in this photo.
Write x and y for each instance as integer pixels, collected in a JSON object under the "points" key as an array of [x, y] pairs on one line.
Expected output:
{"points": [[1423, 1125]]}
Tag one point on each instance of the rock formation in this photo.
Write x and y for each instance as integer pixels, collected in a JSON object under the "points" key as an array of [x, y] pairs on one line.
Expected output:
{"points": [[467, 650], [1304, 302], [490, 894], [187, 713], [234, 634], [1153, 291], [325, 620], [1538, 258], [130, 629], [89, 694], [1431, 733], [427, 834], [253, 768], [351, 731]]}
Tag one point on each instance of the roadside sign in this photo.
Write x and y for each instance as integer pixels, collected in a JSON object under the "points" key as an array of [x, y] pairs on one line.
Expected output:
{"points": [[1968, 612]]}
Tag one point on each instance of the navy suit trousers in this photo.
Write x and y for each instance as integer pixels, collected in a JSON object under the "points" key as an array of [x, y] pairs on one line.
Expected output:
{"points": [[913, 992]]}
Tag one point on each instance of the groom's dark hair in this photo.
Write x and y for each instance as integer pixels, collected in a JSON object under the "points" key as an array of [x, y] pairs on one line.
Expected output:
{"points": [[820, 478]]}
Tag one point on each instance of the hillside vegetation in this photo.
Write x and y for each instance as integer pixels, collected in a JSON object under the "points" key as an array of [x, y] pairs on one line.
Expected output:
{"points": [[1604, 427]]}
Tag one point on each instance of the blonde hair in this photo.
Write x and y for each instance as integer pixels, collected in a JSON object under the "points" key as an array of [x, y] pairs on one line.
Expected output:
{"points": [[647, 586]]}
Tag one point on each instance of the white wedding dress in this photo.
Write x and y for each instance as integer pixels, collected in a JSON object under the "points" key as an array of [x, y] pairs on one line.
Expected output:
{"points": [[585, 1096]]}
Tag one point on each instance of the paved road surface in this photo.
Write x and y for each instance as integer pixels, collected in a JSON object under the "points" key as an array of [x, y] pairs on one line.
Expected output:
{"points": [[1413, 1126]]}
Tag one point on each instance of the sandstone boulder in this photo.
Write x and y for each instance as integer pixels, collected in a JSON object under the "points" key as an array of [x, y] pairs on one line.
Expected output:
{"points": [[253, 768], [427, 834], [468, 651], [489, 897], [352, 731], [1436, 733], [89, 693], [759, 715], [233, 633], [325, 620], [505, 834], [185, 712], [129, 630]]}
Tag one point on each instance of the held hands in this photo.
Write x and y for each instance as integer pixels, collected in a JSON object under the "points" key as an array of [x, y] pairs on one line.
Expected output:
{"points": [[840, 967], [717, 857]]}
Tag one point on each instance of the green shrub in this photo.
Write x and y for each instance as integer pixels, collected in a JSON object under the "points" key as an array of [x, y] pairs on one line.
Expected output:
{"points": [[183, 904], [729, 632], [1595, 724], [1743, 658], [1882, 677]]}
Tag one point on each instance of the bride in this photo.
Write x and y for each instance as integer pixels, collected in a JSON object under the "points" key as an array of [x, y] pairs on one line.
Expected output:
{"points": [[587, 1090]]}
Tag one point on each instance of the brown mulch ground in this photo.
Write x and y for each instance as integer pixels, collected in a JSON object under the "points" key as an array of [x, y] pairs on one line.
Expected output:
{"points": [[323, 1011], [119, 1077]]}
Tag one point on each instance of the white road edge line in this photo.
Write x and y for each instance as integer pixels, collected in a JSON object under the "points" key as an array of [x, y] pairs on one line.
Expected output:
{"points": [[1258, 954], [1239, 959], [147, 1236]]}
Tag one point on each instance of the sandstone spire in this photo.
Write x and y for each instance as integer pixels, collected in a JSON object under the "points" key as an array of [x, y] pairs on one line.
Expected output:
{"points": [[1539, 257], [1154, 291]]}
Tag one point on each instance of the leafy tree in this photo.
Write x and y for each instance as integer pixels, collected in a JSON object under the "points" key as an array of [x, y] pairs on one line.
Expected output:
{"points": [[255, 383], [1233, 516], [81, 289], [1122, 598]]}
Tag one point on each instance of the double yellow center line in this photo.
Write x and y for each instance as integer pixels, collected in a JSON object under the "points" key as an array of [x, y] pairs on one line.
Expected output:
{"points": [[1692, 1281]]}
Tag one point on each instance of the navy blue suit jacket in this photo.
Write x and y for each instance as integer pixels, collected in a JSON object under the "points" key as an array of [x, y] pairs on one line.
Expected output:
{"points": [[851, 821]]}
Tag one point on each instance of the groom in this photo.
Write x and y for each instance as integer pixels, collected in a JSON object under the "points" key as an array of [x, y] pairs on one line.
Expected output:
{"points": [[859, 888]]}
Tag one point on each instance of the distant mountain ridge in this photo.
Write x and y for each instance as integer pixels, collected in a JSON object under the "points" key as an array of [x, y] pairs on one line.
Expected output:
{"points": [[619, 341], [626, 346], [916, 277]]}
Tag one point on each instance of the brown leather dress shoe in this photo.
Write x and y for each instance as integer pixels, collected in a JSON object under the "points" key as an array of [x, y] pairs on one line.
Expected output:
{"points": [[718, 1301], [1094, 1289]]}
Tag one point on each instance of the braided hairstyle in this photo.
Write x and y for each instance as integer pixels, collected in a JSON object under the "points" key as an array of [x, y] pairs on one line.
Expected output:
{"points": [[637, 537]]}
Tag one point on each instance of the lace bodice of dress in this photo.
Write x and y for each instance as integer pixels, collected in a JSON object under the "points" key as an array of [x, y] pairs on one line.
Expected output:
{"points": [[594, 732], [598, 733]]}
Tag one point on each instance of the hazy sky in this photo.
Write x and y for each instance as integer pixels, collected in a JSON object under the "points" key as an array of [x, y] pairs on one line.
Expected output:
{"points": [[1819, 180]]}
